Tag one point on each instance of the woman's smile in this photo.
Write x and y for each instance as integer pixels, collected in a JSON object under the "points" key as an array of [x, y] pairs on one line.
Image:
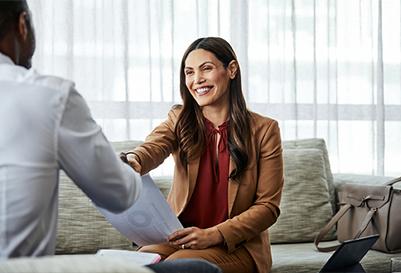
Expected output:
{"points": [[203, 90]]}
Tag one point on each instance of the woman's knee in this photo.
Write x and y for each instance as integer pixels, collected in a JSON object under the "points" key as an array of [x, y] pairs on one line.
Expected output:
{"points": [[163, 250], [184, 266]]}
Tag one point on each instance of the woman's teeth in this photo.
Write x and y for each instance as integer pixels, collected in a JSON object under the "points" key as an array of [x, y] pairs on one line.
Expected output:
{"points": [[203, 90]]}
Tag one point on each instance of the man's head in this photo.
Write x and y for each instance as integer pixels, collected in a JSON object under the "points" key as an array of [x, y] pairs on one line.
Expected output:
{"points": [[17, 38]]}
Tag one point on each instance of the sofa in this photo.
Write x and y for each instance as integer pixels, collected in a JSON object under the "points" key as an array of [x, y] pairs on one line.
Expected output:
{"points": [[308, 202]]}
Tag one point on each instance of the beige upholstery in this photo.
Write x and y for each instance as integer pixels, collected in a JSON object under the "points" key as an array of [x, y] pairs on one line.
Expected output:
{"points": [[305, 184], [303, 258], [316, 143]]}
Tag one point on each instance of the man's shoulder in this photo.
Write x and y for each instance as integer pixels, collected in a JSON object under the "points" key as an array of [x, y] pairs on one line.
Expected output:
{"points": [[48, 81], [20, 75], [23, 77]]}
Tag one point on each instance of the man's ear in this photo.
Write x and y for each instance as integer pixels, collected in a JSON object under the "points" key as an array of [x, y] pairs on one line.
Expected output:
{"points": [[23, 25], [232, 69]]}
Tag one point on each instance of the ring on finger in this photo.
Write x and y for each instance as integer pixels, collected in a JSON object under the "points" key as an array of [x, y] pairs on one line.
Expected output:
{"points": [[183, 246]]}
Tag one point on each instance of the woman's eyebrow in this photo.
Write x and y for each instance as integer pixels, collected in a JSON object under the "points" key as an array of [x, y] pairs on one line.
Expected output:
{"points": [[207, 62], [202, 64]]}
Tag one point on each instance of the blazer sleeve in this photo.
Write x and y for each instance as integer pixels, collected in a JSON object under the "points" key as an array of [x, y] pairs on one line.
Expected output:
{"points": [[158, 145], [265, 209]]}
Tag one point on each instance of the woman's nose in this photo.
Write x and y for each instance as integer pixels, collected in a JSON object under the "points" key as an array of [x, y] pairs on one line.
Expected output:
{"points": [[199, 78]]}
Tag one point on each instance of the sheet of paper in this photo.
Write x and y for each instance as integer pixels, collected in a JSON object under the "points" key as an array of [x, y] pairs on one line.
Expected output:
{"points": [[140, 258], [149, 220]]}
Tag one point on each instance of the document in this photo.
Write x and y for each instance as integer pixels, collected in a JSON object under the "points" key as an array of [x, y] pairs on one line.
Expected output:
{"points": [[140, 258], [149, 220]]}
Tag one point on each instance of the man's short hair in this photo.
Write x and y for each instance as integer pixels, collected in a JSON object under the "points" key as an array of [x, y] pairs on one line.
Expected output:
{"points": [[9, 12]]}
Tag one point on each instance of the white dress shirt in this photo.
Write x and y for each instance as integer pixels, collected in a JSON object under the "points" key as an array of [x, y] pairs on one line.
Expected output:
{"points": [[45, 125]]}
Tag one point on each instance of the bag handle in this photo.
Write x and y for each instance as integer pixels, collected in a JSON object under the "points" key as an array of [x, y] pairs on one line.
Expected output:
{"points": [[327, 228], [334, 220], [365, 222], [393, 181]]}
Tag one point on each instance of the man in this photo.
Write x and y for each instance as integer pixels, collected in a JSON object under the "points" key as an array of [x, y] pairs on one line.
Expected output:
{"points": [[45, 125]]}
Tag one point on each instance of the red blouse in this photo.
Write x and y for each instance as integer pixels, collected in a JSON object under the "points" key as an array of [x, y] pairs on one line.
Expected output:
{"points": [[208, 205]]}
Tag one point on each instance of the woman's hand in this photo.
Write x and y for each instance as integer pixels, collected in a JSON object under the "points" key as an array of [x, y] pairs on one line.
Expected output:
{"points": [[196, 238], [131, 160]]}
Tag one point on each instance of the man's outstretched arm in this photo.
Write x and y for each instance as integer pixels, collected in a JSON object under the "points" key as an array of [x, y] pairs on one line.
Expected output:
{"points": [[90, 161]]}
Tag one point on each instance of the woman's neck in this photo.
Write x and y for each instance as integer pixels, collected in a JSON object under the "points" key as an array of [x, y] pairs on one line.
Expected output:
{"points": [[217, 116]]}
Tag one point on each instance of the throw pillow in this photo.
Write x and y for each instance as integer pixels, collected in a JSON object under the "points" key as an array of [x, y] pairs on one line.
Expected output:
{"points": [[305, 204], [316, 143]]}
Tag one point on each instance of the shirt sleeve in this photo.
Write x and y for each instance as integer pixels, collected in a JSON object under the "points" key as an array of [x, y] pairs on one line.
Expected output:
{"points": [[89, 160]]}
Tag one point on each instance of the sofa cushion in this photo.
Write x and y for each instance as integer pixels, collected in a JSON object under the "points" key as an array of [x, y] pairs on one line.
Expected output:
{"points": [[305, 204], [70, 264], [316, 143], [303, 258], [81, 228]]}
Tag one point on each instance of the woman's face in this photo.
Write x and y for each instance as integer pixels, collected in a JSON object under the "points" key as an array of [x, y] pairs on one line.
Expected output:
{"points": [[206, 78]]}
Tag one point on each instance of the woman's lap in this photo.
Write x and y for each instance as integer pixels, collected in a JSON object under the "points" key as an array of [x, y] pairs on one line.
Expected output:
{"points": [[237, 261], [185, 266]]}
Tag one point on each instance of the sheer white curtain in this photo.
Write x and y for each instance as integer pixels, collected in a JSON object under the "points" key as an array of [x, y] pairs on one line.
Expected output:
{"points": [[327, 69]]}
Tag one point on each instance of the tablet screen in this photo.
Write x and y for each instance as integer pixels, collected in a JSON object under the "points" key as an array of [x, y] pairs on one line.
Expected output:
{"points": [[349, 253]]}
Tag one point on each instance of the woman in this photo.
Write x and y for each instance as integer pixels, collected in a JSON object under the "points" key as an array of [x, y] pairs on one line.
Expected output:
{"points": [[228, 174]]}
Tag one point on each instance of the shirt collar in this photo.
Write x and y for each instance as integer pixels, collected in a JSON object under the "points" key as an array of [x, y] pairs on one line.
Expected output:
{"points": [[4, 59], [210, 126]]}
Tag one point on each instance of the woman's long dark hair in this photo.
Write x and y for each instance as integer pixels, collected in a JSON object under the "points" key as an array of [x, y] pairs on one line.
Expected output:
{"points": [[190, 126]]}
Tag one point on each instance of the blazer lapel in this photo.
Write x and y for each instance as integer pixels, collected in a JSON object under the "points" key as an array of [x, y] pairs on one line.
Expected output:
{"points": [[232, 188]]}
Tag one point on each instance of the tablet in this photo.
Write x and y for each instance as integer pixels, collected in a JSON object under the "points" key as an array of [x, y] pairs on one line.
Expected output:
{"points": [[347, 256]]}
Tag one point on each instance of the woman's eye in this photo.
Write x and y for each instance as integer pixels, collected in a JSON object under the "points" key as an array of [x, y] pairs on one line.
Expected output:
{"points": [[188, 72], [207, 68]]}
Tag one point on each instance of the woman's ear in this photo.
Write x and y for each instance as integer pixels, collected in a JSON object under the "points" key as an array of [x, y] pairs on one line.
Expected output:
{"points": [[232, 69]]}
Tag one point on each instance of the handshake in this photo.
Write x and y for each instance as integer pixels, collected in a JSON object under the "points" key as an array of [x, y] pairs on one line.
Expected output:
{"points": [[123, 157], [131, 159]]}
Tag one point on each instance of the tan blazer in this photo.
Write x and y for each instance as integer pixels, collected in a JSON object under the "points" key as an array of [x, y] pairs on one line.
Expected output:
{"points": [[253, 200]]}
